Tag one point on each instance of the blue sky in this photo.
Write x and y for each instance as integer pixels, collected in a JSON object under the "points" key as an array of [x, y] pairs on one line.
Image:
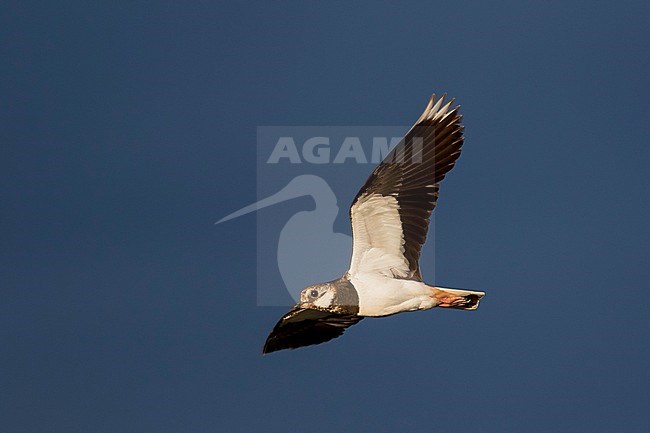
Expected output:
{"points": [[127, 130]]}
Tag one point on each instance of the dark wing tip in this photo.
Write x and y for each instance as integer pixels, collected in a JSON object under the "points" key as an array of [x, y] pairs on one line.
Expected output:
{"points": [[414, 181], [305, 327]]}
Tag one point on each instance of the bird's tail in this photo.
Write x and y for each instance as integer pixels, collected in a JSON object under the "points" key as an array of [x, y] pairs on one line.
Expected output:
{"points": [[458, 299]]}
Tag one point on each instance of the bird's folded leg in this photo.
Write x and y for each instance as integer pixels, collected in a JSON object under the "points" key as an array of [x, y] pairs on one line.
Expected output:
{"points": [[459, 299]]}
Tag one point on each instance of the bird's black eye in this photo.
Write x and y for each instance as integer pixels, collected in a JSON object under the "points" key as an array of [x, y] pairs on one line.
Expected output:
{"points": [[313, 293]]}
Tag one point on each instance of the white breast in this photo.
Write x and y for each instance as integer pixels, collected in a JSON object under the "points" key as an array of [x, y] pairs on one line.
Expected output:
{"points": [[380, 295]]}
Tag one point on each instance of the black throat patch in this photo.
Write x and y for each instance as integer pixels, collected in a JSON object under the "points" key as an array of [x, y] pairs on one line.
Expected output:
{"points": [[346, 298]]}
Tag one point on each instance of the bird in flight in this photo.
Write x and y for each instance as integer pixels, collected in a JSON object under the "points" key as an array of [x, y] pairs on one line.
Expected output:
{"points": [[390, 219]]}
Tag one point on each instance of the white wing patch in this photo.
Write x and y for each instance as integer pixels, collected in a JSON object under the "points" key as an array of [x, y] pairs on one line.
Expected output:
{"points": [[378, 240]]}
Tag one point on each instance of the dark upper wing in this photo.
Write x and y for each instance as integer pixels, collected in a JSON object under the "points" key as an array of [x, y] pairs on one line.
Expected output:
{"points": [[305, 326], [391, 211]]}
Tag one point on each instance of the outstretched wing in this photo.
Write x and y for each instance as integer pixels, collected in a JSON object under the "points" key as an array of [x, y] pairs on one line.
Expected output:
{"points": [[390, 214], [306, 326]]}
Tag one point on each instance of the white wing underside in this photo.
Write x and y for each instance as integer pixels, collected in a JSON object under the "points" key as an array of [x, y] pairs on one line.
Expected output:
{"points": [[378, 245], [378, 241]]}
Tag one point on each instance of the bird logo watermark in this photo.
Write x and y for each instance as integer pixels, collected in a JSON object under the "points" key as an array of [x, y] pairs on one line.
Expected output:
{"points": [[307, 177]]}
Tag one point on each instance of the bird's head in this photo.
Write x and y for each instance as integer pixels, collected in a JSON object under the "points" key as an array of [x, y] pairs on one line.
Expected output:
{"points": [[338, 296], [318, 296]]}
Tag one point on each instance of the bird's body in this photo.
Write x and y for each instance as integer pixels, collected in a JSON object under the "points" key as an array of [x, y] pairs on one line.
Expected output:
{"points": [[381, 295], [390, 219]]}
